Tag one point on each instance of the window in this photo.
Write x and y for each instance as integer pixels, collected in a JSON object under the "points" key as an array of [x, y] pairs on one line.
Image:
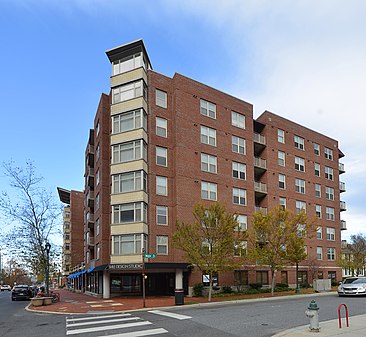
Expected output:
{"points": [[97, 201], [262, 277], [330, 234], [161, 156], [239, 170], [300, 205], [97, 177], [128, 151], [319, 233], [319, 253], [161, 215], [318, 211], [241, 278], [281, 136], [161, 185], [299, 164], [97, 246], [282, 201], [329, 213], [208, 163], [282, 181], [208, 191], [161, 127], [300, 185], [317, 149], [332, 275], [208, 109], [97, 128], [317, 169], [318, 190], [127, 244], [97, 225], [239, 196], [128, 91], [161, 98], [328, 173], [128, 121], [281, 158], [299, 142], [238, 145], [162, 244], [242, 222], [129, 182], [240, 248], [97, 153], [131, 212], [328, 153], [302, 277], [237, 120], [331, 254], [208, 136], [127, 63], [329, 193]]}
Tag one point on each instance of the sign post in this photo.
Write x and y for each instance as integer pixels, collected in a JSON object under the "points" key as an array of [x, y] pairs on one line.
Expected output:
{"points": [[143, 278]]}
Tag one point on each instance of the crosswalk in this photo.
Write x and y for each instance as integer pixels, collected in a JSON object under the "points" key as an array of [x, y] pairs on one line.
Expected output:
{"points": [[117, 324]]}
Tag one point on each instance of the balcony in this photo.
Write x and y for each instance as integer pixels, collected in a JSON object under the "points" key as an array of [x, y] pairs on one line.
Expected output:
{"points": [[343, 225], [342, 187], [90, 199], [259, 143], [341, 168], [260, 166], [258, 209], [343, 206], [90, 148], [90, 220], [90, 242]]}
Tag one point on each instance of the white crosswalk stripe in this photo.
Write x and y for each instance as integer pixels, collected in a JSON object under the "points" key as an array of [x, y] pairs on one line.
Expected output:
{"points": [[169, 314], [104, 322]]}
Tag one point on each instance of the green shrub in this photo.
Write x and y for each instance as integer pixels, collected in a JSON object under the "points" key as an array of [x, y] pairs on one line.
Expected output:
{"points": [[226, 289], [255, 286], [198, 290]]}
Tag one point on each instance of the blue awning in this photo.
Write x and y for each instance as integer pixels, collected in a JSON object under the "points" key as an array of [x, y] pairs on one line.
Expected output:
{"points": [[90, 270]]}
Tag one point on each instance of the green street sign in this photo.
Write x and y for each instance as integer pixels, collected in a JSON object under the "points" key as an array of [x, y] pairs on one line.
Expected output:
{"points": [[150, 256]]}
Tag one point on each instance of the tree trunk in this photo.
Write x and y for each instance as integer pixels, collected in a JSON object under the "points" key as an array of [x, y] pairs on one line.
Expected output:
{"points": [[210, 289], [273, 282]]}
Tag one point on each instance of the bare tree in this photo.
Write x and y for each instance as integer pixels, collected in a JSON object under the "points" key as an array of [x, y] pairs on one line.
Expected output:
{"points": [[33, 213]]}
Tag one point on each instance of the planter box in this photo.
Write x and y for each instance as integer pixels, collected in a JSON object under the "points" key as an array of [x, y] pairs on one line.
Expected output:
{"points": [[37, 301], [47, 300]]}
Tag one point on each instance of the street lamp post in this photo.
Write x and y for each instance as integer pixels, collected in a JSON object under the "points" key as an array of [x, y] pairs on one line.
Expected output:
{"points": [[48, 248]]}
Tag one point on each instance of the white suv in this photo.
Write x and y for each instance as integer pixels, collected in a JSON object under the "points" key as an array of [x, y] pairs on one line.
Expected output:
{"points": [[5, 287]]}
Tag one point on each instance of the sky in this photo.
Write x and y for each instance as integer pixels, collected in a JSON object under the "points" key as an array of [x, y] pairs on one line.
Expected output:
{"points": [[304, 60]]}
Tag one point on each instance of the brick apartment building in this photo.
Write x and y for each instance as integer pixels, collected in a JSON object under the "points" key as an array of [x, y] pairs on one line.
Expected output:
{"points": [[160, 145]]}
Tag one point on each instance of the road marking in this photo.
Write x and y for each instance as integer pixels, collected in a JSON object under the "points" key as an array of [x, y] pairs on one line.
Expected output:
{"points": [[149, 332], [108, 327], [95, 317], [169, 314], [71, 325]]}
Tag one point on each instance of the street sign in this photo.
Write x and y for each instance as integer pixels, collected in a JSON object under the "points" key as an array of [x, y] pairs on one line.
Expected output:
{"points": [[150, 256]]}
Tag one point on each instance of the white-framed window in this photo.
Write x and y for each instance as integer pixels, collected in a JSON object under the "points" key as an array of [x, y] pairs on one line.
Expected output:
{"points": [[319, 233], [281, 158], [128, 213], [281, 136], [317, 169], [328, 173], [130, 120], [97, 153], [129, 182], [208, 109], [319, 253], [128, 63], [318, 190], [128, 91], [282, 202], [282, 181], [240, 248], [97, 178], [299, 142], [300, 164], [161, 156], [316, 149], [208, 163], [161, 98], [242, 222], [300, 185], [208, 190], [162, 215], [97, 246], [128, 244], [300, 205], [239, 196], [238, 144], [161, 127], [161, 185], [97, 226], [331, 254], [330, 234], [97, 201], [208, 136], [97, 128], [329, 193], [329, 213], [318, 211], [162, 244], [133, 150], [237, 120], [239, 170], [328, 153]]}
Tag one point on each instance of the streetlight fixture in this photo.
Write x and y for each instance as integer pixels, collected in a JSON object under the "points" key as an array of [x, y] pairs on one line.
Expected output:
{"points": [[47, 249]]}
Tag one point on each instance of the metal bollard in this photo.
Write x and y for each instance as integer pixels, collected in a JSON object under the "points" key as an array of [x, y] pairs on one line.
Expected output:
{"points": [[313, 314]]}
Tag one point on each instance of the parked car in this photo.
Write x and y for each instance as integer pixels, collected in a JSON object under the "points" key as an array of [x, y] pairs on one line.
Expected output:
{"points": [[5, 287], [352, 286], [21, 292]]}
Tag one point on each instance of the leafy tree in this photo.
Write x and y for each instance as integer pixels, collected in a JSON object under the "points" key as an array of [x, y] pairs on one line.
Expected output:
{"points": [[209, 242], [34, 213], [277, 238], [355, 256]]}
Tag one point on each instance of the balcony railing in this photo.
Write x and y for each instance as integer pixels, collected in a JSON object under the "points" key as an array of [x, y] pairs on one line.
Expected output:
{"points": [[341, 168], [343, 206], [261, 163], [258, 209], [260, 187], [258, 138], [342, 186], [343, 225]]}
